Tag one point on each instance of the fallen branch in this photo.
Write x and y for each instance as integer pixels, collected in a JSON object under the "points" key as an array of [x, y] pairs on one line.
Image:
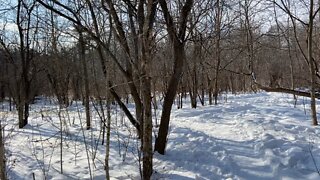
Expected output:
{"points": [[285, 90]]}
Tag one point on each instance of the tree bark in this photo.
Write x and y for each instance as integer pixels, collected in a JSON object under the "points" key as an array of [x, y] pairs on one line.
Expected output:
{"points": [[312, 65], [179, 56], [108, 127], [146, 32], [82, 55], [217, 49], [177, 37], [147, 123], [2, 157]]}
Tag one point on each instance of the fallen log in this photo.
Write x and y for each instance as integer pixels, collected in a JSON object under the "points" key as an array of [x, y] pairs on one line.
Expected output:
{"points": [[285, 90]]}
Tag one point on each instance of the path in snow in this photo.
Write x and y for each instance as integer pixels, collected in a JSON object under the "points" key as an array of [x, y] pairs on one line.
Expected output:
{"points": [[251, 136]]}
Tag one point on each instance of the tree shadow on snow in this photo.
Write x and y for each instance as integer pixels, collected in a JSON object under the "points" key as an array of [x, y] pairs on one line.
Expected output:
{"points": [[208, 157]]}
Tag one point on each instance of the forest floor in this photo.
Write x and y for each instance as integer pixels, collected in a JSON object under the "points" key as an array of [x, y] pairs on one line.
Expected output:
{"points": [[245, 136]]}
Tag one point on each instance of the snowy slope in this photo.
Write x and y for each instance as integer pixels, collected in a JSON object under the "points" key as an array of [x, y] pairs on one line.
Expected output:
{"points": [[247, 136]]}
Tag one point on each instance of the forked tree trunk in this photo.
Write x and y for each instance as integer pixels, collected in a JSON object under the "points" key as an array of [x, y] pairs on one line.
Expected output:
{"points": [[111, 90], [24, 83], [177, 37]]}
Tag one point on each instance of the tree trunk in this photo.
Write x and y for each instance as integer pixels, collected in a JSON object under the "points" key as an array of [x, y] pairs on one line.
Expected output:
{"points": [[26, 113], [147, 126], [178, 40], [108, 127], [2, 157], [217, 50], [21, 118], [202, 95], [312, 66], [291, 63], [86, 80], [193, 97], [209, 90], [179, 56], [2, 94]]}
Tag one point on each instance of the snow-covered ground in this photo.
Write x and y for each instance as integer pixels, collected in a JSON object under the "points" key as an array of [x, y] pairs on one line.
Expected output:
{"points": [[246, 136]]}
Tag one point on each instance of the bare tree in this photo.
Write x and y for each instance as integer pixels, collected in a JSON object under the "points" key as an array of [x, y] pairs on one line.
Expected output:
{"points": [[21, 59], [309, 54], [82, 57], [218, 19], [177, 36]]}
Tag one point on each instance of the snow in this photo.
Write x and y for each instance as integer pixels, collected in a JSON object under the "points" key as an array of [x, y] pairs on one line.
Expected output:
{"points": [[247, 136]]}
